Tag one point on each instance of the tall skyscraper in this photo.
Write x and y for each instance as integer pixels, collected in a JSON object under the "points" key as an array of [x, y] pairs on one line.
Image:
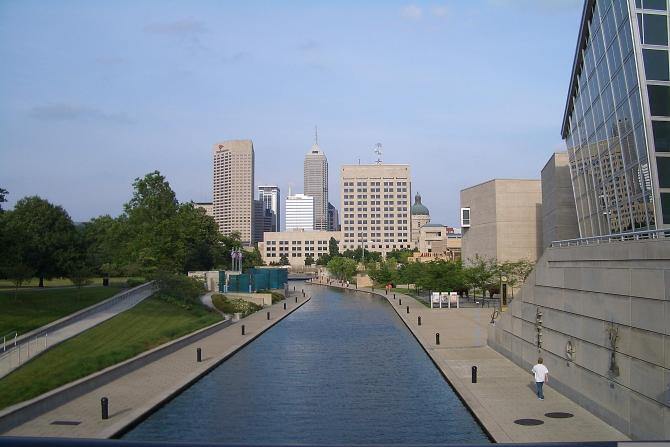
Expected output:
{"points": [[376, 207], [299, 212], [270, 195], [617, 118], [316, 184], [234, 188], [333, 218]]}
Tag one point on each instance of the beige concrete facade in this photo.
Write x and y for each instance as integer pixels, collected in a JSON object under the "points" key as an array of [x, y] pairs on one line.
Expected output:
{"points": [[505, 220], [572, 304], [438, 242], [234, 188], [559, 215], [375, 207], [296, 245], [207, 206]]}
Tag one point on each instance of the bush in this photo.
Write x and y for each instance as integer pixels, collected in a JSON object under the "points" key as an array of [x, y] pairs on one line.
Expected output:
{"points": [[179, 288], [134, 282], [234, 305], [276, 296]]}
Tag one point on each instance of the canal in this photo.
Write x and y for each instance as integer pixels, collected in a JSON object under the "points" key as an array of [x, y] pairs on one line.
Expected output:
{"points": [[343, 369]]}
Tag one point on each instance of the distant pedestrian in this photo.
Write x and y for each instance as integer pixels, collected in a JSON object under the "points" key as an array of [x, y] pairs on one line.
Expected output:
{"points": [[541, 376]]}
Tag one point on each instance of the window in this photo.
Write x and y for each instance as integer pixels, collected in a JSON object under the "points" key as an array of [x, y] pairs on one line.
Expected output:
{"points": [[663, 167], [651, 4], [655, 29], [656, 65], [661, 135], [465, 217], [659, 100]]}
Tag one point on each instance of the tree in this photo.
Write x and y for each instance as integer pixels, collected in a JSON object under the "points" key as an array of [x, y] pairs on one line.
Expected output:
{"points": [[385, 272], [3, 197], [18, 273], [323, 259], [309, 260], [283, 260], [342, 268], [333, 247], [252, 259], [481, 274], [38, 235]]}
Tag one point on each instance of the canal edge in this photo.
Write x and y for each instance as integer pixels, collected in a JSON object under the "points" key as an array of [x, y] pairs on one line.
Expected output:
{"points": [[491, 428], [122, 427]]}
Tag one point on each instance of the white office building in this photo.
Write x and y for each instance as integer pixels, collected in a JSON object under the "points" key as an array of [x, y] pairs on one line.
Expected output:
{"points": [[299, 212]]}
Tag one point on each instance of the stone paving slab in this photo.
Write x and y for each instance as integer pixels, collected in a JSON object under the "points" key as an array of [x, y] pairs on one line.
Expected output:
{"points": [[503, 392], [136, 394]]}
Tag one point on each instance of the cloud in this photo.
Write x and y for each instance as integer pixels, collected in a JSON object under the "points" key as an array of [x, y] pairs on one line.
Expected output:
{"points": [[70, 112], [237, 58], [544, 6], [308, 45], [411, 12], [183, 28], [440, 11]]}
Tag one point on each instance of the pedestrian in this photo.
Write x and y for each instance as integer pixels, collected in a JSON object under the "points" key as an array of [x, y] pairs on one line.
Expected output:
{"points": [[541, 376]]}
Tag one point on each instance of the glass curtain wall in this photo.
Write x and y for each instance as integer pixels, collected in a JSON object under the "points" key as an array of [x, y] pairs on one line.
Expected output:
{"points": [[609, 161]]}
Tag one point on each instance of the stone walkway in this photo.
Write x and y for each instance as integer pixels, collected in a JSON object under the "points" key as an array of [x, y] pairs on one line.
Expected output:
{"points": [[137, 393], [504, 392], [31, 346]]}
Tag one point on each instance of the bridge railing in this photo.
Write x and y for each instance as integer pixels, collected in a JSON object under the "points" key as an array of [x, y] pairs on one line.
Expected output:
{"points": [[628, 236]]}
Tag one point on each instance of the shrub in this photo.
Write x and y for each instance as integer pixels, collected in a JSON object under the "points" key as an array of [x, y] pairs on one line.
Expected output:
{"points": [[234, 305], [180, 288]]}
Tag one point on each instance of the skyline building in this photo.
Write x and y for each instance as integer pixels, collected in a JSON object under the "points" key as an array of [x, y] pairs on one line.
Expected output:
{"points": [[333, 218], [233, 188], [270, 195], [375, 206], [420, 217], [616, 124], [316, 184], [299, 212]]}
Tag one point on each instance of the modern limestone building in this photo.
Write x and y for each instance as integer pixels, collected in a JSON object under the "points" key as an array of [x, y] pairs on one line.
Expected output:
{"points": [[420, 217], [207, 206], [233, 191], [559, 217], [296, 245], [299, 212], [597, 308], [501, 219], [375, 207], [316, 185], [270, 195]]}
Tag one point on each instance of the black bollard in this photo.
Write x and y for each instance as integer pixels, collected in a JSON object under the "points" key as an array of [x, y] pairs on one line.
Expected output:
{"points": [[242, 329], [294, 288], [474, 374], [394, 296], [303, 294], [400, 302], [268, 315], [198, 354], [386, 292], [419, 320], [437, 338], [296, 299], [104, 403], [407, 309], [284, 306]]}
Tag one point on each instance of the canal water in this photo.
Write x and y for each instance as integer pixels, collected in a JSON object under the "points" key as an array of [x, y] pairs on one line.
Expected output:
{"points": [[342, 369]]}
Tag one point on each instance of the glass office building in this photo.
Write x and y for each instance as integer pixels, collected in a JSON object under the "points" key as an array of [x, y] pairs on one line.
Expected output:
{"points": [[617, 118]]}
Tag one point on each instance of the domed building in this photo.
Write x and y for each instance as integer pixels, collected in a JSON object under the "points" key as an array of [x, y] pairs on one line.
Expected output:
{"points": [[420, 216]]}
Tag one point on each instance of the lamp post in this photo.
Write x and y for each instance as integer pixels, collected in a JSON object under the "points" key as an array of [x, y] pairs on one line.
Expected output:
{"points": [[503, 291]]}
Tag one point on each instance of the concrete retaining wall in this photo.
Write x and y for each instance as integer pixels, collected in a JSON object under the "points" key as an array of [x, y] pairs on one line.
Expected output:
{"points": [[583, 293]]}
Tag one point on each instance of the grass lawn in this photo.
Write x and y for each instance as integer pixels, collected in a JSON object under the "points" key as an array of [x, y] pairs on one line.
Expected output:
{"points": [[145, 326], [412, 293], [58, 282], [34, 308]]}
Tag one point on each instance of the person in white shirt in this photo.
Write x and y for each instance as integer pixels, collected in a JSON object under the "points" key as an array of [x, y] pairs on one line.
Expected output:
{"points": [[541, 376]]}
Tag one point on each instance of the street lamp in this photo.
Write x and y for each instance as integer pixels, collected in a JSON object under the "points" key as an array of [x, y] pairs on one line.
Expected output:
{"points": [[503, 291]]}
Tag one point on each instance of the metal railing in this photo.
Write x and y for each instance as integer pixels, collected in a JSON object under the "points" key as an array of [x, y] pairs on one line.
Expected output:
{"points": [[628, 236], [28, 346], [10, 338]]}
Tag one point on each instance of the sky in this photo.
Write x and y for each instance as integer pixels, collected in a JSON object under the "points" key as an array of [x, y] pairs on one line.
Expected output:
{"points": [[94, 94]]}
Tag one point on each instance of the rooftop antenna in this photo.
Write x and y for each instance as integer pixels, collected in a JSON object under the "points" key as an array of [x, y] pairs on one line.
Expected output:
{"points": [[289, 189], [316, 136], [378, 151]]}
